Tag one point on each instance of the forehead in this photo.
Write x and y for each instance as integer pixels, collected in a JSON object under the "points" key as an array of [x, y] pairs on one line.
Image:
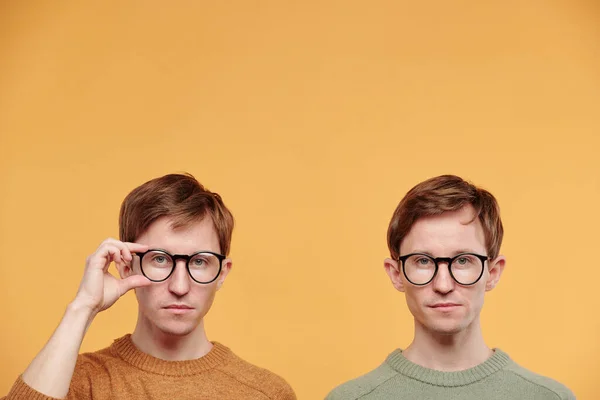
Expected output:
{"points": [[449, 232], [193, 237]]}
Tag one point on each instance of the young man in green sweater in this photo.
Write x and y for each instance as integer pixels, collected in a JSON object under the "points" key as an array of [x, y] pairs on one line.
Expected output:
{"points": [[444, 239], [175, 236]]}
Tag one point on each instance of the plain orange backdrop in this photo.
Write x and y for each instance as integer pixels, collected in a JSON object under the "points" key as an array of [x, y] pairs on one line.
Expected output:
{"points": [[312, 119]]}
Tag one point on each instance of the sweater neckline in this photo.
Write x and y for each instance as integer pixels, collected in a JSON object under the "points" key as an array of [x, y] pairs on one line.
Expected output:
{"points": [[125, 349], [496, 362]]}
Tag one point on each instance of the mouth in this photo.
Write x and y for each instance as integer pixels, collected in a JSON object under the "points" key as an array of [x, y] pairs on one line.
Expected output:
{"points": [[444, 306], [178, 308]]}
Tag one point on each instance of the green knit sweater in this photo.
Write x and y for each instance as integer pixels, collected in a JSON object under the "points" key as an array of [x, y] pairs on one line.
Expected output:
{"points": [[498, 378]]}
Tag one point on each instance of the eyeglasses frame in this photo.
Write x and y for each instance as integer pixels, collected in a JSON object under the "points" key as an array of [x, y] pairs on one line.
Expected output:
{"points": [[187, 259], [448, 260]]}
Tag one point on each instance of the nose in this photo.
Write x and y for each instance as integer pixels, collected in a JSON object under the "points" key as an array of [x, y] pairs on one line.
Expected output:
{"points": [[443, 282], [179, 282]]}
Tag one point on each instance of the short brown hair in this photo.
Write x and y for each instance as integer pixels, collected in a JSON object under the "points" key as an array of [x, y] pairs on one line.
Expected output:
{"points": [[440, 194], [177, 196]]}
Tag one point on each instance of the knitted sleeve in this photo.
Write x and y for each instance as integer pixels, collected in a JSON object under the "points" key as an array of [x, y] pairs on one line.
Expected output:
{"points": [[80, 388], [286, 393]]}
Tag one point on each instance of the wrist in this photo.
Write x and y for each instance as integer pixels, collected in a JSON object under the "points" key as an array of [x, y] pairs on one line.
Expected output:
{"points": [[79, 310]]}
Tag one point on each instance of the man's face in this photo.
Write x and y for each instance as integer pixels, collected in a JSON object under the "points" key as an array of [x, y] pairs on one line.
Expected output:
{"points": [[443, 306], [178, 305]]}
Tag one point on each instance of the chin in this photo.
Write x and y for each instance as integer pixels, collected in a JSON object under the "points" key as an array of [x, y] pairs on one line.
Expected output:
{"points": [[446, 330], [445, 327], [177, 328], [177, 325]]}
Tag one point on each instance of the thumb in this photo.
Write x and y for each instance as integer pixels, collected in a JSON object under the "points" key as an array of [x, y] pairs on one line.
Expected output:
{"points": [[132, 282]]}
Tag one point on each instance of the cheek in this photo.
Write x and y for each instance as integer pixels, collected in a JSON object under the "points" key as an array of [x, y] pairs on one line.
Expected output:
{"points": [[475, 296], [414, 300], [204, 294], [203, 300], [146, 296]]}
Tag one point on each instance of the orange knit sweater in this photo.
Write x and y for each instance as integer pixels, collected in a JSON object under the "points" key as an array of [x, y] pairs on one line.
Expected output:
{"points": [[121, 371]]}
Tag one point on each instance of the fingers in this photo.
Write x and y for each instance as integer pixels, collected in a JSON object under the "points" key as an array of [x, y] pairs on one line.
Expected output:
{"points": [[115, 255], [115, 251], [132, 282], [134, 248], [126, 248]]}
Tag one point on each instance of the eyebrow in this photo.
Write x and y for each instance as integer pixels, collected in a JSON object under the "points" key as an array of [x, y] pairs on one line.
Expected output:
{"points": [[455, 253], [157, 248], [175, 254]]}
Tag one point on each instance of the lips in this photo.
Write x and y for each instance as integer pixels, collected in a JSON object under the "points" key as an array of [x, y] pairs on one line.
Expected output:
{"points": [[444, 305], [178, 307]]}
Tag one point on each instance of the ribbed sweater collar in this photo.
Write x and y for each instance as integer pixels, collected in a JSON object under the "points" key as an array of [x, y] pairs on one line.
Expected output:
{"points": [[126, 350], [496, 362]]}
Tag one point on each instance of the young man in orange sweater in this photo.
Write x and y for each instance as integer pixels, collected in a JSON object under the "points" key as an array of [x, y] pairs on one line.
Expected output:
{"points": [[174, 240]]}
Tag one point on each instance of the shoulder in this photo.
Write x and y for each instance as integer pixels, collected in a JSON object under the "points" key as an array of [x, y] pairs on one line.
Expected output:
{"points": [[363, 385], [95, 367], [259, 379], [91, 369], [96, 360], [542, 382]]}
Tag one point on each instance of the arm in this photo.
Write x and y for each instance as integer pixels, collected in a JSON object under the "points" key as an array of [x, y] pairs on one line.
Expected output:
{"points": [[51, 371]]}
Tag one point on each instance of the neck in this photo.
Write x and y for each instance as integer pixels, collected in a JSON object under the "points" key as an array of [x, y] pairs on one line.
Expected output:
{"points": [[448, 352], [167, 346]]}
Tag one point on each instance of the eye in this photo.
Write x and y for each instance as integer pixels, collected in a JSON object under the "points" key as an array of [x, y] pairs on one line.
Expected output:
{"points": [[198, 262], [160, 259], [423, 261], [466, 261]]}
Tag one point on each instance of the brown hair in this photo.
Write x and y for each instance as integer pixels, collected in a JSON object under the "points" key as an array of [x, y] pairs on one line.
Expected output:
{"points": [[440, 194], [177, 196]]}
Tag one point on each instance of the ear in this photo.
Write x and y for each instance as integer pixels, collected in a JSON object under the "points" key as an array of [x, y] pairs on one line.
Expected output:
{"points": [[393, 270], [226, 267], [496, 267]]}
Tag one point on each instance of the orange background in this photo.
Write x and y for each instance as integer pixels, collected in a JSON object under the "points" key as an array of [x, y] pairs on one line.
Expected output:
{"points": [[312, 120]]}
